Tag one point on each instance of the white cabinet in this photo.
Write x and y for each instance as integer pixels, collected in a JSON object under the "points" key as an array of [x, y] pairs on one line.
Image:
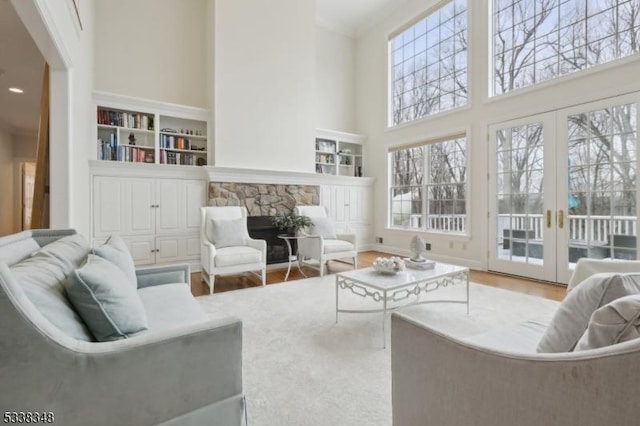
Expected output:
{"points": [[159, 219], [351, 208]]}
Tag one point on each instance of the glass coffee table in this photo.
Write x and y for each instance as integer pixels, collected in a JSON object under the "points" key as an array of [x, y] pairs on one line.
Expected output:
{"points": [[399, 290]]}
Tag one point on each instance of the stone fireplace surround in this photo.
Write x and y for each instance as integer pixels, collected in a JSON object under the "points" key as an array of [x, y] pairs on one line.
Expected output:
{"points": [[264, 201]]}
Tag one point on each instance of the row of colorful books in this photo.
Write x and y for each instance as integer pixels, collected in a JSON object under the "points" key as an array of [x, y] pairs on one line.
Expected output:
{"points": [[174, 142], [125, 119], [168, 157], [110, 151]]}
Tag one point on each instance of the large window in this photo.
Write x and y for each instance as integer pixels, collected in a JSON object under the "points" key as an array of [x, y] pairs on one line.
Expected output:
{"points": [[428, 186], [429, 65], [537, 40]]}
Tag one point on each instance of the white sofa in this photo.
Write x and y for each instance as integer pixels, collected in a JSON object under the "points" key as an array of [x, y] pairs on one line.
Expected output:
{"points": [[498, 379]]}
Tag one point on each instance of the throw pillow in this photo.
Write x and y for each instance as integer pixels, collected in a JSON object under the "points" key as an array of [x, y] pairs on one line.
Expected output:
{"points": [[229, 232], [115, 251], [572, 317], [613, 323], [323, 226], [105, 300]]}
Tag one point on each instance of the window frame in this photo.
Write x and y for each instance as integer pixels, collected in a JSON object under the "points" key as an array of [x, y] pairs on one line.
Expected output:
{"points": [[390, 125], [492, 96], [425, 142]]}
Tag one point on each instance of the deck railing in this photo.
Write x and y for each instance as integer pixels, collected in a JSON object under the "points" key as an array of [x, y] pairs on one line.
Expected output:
{"points": [[581, 227]]}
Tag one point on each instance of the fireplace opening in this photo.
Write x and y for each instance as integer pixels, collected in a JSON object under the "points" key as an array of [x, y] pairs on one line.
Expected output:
{"points": [[261, 228]]}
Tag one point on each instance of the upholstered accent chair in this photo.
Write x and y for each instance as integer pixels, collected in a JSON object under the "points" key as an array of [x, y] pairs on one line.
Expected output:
{"points": [[226, 247], [322, 243]]}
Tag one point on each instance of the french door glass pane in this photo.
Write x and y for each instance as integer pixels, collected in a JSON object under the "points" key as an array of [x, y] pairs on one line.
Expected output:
{"points": [[520, 218], [602, 151]]}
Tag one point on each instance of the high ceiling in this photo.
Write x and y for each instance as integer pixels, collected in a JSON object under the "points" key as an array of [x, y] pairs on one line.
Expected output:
{"points": [[21, 66], [353, 16]]}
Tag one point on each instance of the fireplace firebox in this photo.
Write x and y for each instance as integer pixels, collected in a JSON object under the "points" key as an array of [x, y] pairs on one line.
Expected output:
{"points": [[261, 228]]}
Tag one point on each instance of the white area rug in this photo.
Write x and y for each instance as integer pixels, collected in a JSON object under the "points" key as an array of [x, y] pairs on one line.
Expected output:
{"points": [[301, 368]]}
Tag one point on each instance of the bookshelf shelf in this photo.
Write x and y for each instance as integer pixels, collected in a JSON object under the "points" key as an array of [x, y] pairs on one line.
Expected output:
{"points": [[137, 130], [338, 153]]}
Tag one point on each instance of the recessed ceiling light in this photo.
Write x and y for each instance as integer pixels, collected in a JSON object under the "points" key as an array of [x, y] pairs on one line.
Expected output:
{"points": [[15, 90]]}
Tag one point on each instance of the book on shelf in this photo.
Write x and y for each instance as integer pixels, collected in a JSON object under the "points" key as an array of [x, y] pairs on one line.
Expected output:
{"points": [[174, 142], [108, 149], [125, 119], [129, 154]]}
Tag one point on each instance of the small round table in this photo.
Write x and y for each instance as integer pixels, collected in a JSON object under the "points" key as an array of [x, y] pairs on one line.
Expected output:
{"points": [[292, 257]]}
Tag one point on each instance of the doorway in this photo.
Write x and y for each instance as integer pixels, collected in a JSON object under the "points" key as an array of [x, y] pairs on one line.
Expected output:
{"points": [[563, 186], [27, 183]]}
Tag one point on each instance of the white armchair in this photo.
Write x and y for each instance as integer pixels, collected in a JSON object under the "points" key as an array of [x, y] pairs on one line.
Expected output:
{"points": [[322, 249], [235, 252]]}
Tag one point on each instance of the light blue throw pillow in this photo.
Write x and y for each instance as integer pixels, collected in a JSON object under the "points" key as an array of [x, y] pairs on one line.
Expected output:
{"points": [[115, 251], [105, 300]]}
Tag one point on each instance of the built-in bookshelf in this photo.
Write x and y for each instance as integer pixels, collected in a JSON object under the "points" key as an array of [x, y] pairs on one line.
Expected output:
{"points": [[162, 134], [338, 153]]}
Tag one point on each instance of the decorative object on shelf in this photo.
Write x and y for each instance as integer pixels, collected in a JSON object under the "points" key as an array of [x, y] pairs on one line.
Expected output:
{"points": [[200, 161], [389, 266], [291, 222], [417, 247], [132, 139]]}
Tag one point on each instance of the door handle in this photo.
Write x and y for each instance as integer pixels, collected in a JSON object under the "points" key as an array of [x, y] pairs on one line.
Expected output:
{"points": [[548, 218], [560, 219]]}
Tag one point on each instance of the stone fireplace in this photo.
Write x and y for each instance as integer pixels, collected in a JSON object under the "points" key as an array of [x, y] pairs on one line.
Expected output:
{"points": [[264, 201]]}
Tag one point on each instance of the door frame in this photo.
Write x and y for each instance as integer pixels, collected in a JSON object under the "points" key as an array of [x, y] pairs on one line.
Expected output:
{"points": [[541, 272]]}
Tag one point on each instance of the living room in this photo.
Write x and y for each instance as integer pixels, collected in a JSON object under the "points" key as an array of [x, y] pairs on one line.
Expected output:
{"points": [[491, 135]]}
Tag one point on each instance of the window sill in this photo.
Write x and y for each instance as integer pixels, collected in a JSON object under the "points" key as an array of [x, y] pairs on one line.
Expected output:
{"points": [[432, 235]]}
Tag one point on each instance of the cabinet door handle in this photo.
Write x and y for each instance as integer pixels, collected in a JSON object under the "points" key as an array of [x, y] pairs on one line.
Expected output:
{"points": [[548, 218]]}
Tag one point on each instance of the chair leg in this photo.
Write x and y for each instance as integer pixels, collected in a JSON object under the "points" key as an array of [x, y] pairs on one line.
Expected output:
{"points": [[322, 266], [212, 279], [264, 277], [355, 262]]}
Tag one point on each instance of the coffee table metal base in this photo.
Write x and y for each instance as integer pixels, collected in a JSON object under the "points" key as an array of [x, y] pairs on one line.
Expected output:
{"points": [[394, 299]]}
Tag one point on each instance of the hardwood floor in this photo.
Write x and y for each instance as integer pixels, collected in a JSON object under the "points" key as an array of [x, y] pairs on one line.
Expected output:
{"points": [[365, 259]]}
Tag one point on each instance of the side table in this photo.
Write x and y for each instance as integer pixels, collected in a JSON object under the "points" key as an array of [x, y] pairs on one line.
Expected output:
{"points": [[292, 257]]}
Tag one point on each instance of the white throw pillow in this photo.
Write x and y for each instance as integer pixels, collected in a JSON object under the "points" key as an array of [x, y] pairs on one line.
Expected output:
{"points": [[572, 317], [613, 323], [229, 232], [323, 226]]}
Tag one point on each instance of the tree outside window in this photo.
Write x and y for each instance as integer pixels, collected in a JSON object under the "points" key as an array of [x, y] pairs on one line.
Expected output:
{"points": [[538, 40], [428, 187], [428, 65]]}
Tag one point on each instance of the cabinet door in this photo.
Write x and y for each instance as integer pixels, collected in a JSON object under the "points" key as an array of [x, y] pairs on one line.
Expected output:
{"points": [[335, 199], [179, 202], [169, 210], [142, 249], [137, 206], [179, 248], [122, 206], [193, 197], [360, 205], [108, 196]]}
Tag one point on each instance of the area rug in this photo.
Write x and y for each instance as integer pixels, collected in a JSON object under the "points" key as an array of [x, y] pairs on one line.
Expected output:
{"points": [[301, 368]]}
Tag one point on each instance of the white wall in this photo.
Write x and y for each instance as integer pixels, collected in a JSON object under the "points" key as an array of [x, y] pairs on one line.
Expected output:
{"points": [[265, 84], [153, 49], [371, 106], [6, 180], [68, 49], [335, 81]]}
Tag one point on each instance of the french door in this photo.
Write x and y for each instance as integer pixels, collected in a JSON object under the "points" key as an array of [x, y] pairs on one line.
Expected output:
{"points": [[562, 187]]}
